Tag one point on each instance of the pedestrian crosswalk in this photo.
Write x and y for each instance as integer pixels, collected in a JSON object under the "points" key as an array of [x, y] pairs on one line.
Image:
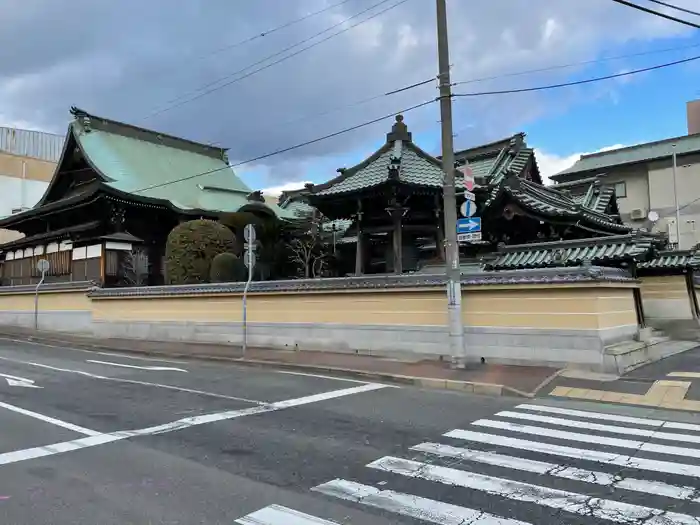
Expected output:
{"points": [[532, 464]]}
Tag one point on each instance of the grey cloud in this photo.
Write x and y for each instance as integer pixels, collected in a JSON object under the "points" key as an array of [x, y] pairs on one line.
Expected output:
{"points": [[126, 59]]}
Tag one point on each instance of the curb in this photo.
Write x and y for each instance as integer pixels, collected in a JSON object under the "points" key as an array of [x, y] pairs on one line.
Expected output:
{"points": [[472, 387]]}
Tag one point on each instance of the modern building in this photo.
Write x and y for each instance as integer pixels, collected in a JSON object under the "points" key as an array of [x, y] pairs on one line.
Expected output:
{"points": [[27, 162], [693, 111], [645, 188]]}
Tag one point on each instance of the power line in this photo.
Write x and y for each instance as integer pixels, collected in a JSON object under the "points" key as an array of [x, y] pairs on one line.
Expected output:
{"points": [[683, 9], [290, 148], [360, 102], [264, 59], [656, 13], [484, 79], [576, 64], [204, 91], [274, 29], [483, 93], [578, 82]]}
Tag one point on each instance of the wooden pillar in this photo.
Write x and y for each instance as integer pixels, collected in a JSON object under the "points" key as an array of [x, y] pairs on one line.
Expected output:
{"points": [[396, 239], [359, 248]]}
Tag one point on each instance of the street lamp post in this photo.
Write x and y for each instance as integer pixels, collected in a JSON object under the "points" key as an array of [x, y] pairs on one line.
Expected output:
{"points": [[675, 196]]}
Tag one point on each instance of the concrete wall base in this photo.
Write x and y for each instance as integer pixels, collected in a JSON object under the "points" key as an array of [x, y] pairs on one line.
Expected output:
{"points": [[582, 349], [625, 357], [74, 321]]}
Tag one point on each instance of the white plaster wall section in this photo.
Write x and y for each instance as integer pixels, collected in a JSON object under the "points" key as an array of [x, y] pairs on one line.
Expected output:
{"points": [[79, 253], [118, 246], [14, 190]]}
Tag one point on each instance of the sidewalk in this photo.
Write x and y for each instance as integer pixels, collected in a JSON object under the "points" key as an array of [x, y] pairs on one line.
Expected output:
{"points": [[511, 380]]}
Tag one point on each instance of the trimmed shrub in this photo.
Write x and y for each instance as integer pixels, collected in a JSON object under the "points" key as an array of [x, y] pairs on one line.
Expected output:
{"points": [[191, 247], [226, 268]]}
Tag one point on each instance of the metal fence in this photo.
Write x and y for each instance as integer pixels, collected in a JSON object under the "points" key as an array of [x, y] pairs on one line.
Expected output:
{"points": [[34, 144]]}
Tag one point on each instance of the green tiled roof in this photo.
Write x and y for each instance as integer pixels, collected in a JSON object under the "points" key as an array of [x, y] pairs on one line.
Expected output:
{"points": [[143, 163], [415, 168], [490, 163], [599, 250], [297, 208], [547, 200], [597, 197], [640, 153], [676, 260]]}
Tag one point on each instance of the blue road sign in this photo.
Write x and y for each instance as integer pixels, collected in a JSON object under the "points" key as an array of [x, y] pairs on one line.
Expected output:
{"points": [[468, 208], [469, 225]]}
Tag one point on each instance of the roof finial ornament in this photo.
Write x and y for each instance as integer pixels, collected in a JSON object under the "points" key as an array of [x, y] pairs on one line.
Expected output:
{"points": [[399, 131], [82, 117]]}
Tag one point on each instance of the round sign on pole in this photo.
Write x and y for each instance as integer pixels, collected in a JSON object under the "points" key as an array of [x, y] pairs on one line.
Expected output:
{"points": [[249, 233], [42, 265], [249, 258], [468, 208]]}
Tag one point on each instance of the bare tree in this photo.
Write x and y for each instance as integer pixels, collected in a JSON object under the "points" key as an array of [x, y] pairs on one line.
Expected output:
{"points": [[133, 268], [309, 256]]}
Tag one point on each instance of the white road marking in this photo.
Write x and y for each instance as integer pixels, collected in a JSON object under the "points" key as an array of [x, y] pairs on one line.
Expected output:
{"points": [[19, 381], [47, 419], [152, 368], [640, 446], [685, 493], [135, 382], [323, 377], [695, 375], [278, 515], [571, 502], [611, 417], [141, 358], [417, 507], [606, 458], [67, 446], [57, 448], [585, 425]]}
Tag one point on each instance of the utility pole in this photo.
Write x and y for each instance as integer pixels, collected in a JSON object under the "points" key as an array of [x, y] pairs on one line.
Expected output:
{"points": [[675, 196], [454, 290]]}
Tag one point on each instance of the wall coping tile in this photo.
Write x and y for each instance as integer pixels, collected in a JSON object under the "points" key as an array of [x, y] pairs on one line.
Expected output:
{"points": [[69, 286], [574, 275]]}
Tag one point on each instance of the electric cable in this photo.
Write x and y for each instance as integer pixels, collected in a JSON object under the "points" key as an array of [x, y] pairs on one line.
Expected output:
{"points": [[656, 13]]}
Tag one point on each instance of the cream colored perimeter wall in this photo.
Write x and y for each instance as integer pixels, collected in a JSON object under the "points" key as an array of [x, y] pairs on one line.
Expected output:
{"points": [[48, 301], [391, 307], [552, 307], [34, 169], [665, 297]]}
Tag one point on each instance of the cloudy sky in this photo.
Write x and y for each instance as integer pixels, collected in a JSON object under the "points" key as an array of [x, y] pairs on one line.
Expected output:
{"points": [[164, 64]]}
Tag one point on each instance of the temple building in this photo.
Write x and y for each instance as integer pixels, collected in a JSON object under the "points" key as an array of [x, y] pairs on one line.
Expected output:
{"points": [[387, 211], [116, 193]]}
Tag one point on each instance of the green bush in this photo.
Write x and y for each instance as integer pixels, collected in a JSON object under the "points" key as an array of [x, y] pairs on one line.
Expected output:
{"points": [[191, 248], [226, 268]]}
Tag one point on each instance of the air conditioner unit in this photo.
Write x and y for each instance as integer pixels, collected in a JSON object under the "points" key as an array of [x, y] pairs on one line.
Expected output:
{"points": [[637, 214]]}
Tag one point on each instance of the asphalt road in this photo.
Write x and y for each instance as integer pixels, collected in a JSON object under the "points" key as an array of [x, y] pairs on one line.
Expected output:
{"points": [[94, 438]]}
